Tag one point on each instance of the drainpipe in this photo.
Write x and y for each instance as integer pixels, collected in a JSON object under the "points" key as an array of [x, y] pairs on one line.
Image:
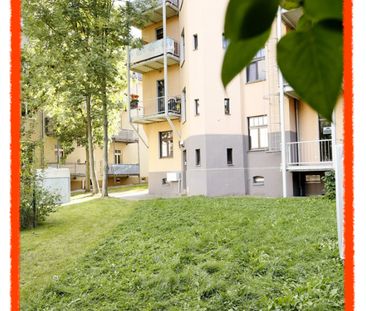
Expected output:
{"points": [[339, 188], [282, 113], [165, 61]]}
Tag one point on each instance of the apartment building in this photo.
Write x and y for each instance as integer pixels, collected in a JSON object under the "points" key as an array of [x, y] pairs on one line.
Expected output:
{"points": [[254, 138], [127, 155]]}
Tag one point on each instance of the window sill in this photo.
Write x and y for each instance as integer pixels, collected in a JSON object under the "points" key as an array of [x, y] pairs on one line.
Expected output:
{"points": [[257, 185], [258, 150], [255, 81], [230, 165]]}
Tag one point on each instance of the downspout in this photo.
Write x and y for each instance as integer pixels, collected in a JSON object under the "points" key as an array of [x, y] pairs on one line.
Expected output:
{"points": [[338, 185], [165, 62], [282, 113]]}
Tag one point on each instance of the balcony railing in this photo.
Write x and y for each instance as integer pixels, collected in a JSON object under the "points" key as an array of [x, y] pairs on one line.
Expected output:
{"points": [[79, 169], [148, 57], [123, 169], [153, 11], [126, 136], [317, 153], [154, 110]]}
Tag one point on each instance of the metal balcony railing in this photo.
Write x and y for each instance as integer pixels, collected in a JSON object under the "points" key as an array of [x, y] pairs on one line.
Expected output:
{"points": [[310, 153], [123, 169], [156, 107], [152, 50], [79, 169]]}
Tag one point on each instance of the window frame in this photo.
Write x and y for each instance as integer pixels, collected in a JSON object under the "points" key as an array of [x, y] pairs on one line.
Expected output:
{"points": [[227, 106], [197, 106], [156, 32], [258, 127], [195, 42], [118, 153], [169, 141], [198, 157], [229, 157], [259, 57]]}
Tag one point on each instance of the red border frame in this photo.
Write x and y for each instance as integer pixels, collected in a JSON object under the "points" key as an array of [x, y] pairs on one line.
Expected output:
{"points": [[15, 154], [348, 158], [15, 151]]}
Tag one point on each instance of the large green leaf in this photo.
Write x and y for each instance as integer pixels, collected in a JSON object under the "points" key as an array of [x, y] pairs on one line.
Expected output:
{"points": [[311, 62], [323, 9], [239, 54], [249, 18]]}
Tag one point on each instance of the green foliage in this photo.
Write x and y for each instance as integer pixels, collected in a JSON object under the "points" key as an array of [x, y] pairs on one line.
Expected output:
{"points": [[329, 185], [310, 57], [36, 203], [204, 254]]}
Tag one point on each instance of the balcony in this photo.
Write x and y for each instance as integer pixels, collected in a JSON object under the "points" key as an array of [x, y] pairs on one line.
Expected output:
{"points": [[79, 169], [309, 155], [123, 169], [288, 90], [125, 136], [151, 56], [154, 12], [292, 17], [154, 110]]}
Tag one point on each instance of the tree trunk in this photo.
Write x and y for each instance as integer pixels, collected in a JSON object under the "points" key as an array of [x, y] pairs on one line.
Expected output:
{"points": [[90, 146], [87, 167], [105, 140]]}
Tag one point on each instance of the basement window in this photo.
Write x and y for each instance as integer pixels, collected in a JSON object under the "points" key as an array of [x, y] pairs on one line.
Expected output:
{"points": [[229, 156], [198, 157], [258, 180]]}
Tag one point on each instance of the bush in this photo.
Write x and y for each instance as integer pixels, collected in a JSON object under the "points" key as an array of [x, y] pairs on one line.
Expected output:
{"points": [[329, 185], [43, 201], [36, 203]]}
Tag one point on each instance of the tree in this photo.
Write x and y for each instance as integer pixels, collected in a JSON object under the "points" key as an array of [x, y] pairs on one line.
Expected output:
{"points": [[313, 49]]}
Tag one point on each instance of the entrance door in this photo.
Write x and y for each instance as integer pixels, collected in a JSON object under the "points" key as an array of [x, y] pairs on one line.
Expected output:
{"points": [[160, 92], [325, 133]]}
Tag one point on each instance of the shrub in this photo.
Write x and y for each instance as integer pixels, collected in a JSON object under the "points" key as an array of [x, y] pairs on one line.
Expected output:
{"points": [[329, 185], [36, 203]]}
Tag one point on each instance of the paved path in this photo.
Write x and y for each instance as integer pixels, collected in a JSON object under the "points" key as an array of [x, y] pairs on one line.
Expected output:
{"points": [[133, 195]]}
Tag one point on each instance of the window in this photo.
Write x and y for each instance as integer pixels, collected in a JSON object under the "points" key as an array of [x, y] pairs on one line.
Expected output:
{"points": [[159, 33], [229, 156], [198, 157], [195, 42], [227, 105], [166, 144], [182, 48], [258, 180], [313, 179], [225, 42], [256, 69], [197, 107], [59, 153], [117, 157], [184, 99], [258, 132]]}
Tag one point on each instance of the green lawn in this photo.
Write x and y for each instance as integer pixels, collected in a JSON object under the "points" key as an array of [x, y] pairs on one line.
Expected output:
{"points": [[185, 254]]}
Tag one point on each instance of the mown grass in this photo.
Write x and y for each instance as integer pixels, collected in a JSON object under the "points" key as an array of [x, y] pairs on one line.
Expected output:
{"points": [[128, 188], [208, 254], [67, 235]]}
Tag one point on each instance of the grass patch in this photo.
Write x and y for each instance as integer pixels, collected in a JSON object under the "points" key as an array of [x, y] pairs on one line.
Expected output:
{"points": [[209, 254], [66, 236]]}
